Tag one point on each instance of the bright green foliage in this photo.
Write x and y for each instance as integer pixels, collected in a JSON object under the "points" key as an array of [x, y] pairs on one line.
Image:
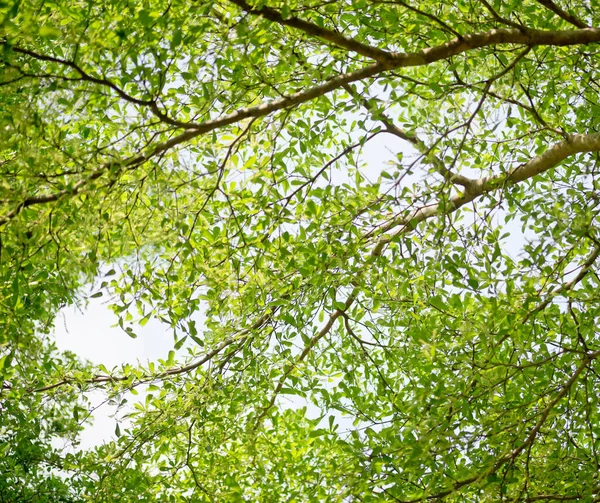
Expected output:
{"points": [[421, 330]]}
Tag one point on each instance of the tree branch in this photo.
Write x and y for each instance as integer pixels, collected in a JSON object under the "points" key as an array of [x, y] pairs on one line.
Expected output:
{"points": [[86, 77], [100, 379], [585, 268], [414, 140], [569, 18], [314, 30], [423, 13]]}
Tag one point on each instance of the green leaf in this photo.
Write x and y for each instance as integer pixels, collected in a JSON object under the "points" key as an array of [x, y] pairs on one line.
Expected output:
{"points": [[49, 32], [437, 302]]}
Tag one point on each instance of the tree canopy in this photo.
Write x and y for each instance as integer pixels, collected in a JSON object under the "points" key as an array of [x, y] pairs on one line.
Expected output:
{"points": [[344, 329]]}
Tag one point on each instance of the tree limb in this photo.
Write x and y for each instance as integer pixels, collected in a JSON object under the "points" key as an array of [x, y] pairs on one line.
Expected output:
{"points": [[314, 30], [569, 18], [100, 379]]}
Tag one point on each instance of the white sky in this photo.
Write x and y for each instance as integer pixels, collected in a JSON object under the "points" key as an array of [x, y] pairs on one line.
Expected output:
{"points": [[91, 335]]}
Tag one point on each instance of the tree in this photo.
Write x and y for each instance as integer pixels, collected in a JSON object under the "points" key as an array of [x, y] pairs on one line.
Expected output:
{"points": [[424, 330]]}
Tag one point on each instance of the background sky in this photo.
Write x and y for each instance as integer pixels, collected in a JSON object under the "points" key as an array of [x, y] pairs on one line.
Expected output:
{"points": [[91, 335]]}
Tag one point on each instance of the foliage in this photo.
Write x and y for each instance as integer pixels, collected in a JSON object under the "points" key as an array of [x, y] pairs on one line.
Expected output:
{"points": [[344, 329]]}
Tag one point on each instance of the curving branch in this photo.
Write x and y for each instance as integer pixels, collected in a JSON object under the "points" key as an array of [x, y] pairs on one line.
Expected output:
{"points": [[314, 30], [566, 287], [569, 18], [184, 369], [420, 12], [414, 140], [86, 77]]}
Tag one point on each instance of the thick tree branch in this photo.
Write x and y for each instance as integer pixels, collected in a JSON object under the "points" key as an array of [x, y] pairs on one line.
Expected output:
{"points": [[569, 18], [523, 36], [574, 144], [314, 30]]}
